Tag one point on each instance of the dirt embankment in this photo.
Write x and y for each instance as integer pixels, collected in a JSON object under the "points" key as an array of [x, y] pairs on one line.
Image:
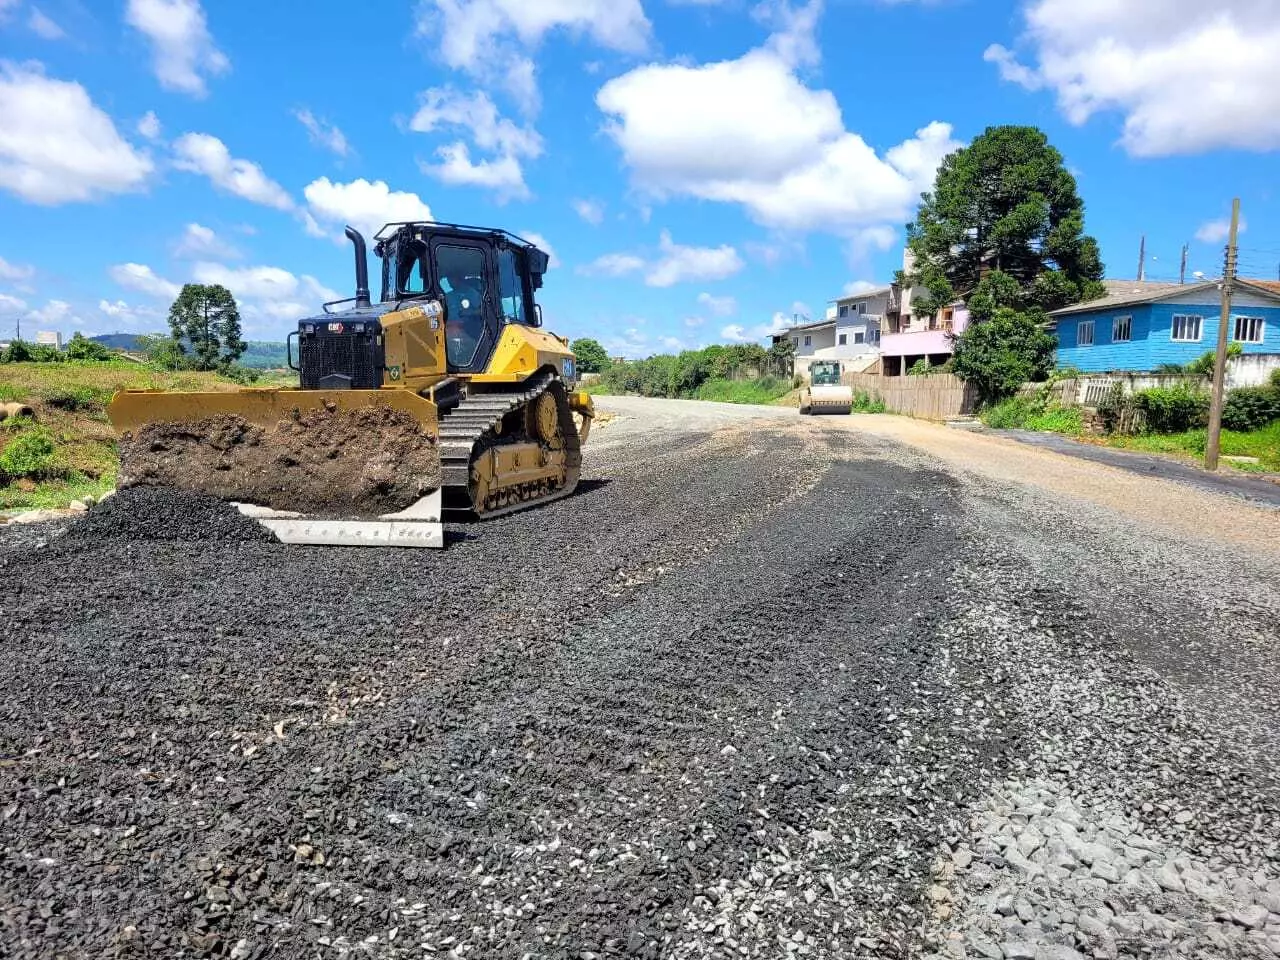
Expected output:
{"points": [[330, 462]]}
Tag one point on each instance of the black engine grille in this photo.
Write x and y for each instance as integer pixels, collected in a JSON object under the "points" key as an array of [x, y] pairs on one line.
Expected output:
{"points": [[341, 359]]}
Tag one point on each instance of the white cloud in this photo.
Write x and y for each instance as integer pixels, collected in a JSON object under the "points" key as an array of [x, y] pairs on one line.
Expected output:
{"points": [[6, 7], [680, 264], [268, 296], [613, 265], [1133, 58], [323, 133], [793, 165], [140, 277], [43, 27], [1217, 231], [209, 156], [183, 49], [694, 321], [481, 36], [54, 313], [201, 242], [855, 287], [794, 29], [444, 108], [719, 306], [10, 304], [15, 271], [539, 241], [149, 126], [56, 146], [673, 264], [502, 175], [735, 333], [592, 211], [673, 344], [125, 314], [364, 205]]}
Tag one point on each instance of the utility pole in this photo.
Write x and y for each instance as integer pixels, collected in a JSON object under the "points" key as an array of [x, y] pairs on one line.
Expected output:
{"points": [[1182, 271], [1142, 259], [1214, 438]]}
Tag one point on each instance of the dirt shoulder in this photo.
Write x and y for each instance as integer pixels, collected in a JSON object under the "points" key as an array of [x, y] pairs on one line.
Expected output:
{"points": [[1174, 506]]}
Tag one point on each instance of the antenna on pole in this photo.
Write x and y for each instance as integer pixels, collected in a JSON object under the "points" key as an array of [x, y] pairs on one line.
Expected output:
{"points": [[1182, 272], [1142, 259]]}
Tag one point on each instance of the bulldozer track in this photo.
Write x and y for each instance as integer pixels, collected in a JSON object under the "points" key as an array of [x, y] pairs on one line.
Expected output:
{"points": [[464, 426]]}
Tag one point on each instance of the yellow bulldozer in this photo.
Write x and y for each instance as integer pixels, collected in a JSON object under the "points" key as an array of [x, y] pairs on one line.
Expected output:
{"points": [[445, 393]]}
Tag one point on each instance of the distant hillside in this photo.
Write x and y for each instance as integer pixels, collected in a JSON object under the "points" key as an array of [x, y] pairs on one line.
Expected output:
{"points": [[119, 341], [260, 354]]}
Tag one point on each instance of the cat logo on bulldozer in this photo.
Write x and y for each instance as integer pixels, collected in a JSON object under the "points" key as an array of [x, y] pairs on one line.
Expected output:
{"points": [[394, 373]]}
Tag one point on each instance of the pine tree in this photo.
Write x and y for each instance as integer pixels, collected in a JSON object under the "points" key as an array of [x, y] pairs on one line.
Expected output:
{"points": [[205, 324]]}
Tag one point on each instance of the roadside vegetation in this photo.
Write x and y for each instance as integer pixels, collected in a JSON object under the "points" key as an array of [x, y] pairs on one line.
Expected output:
{"points": [[68, 450], [1169, 420], [738, 373]]}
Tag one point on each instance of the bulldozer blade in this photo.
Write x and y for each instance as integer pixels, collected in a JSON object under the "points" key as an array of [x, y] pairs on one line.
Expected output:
{"points": [[130, 410], [418, 526], [354, 456]]}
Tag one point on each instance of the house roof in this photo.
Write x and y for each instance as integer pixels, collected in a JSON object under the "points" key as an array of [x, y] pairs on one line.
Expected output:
{"points": [[1124, 293], [816, 325], [863, 295]]}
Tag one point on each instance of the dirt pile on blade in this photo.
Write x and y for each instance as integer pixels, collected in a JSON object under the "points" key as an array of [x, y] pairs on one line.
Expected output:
{"points": [[163, 513], [361, 462]]}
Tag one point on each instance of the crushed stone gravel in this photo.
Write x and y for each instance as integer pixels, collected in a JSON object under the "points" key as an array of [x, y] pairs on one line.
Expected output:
{"points": [[164, 513], [766, 691]]}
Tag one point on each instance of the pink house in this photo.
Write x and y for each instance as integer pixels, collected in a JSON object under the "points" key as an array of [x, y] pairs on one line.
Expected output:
{"points": [[909, 338]]}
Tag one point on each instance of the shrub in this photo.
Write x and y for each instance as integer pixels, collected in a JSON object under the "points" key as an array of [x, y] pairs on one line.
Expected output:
{"points": [[73, 398], [80, 347], [241, 375], [32, 455], [1202, 366], [921, 368], [19, 351], [1011, 414], [864, 402], [1252, 408], [1172, 409], [1064, 420]]}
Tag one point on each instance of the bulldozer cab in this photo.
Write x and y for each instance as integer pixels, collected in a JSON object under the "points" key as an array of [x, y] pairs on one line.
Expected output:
{"points": [[485, 279], [824, 373]]}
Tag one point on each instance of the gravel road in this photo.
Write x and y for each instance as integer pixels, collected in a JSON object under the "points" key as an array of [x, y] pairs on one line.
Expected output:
{"points": [[765, 687]]}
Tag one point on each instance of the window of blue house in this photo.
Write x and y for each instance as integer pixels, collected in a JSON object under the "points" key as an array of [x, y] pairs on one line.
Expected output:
{"points": [[1122, 329], [1084, 334], [1187, 329], [1250, 330]]}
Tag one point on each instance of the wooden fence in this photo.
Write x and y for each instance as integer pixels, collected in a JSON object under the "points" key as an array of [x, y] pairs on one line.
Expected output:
{"points": [[939, 396]]}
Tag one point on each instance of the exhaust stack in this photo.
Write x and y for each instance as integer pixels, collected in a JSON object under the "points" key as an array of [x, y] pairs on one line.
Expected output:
{"points": [[362, 267]]}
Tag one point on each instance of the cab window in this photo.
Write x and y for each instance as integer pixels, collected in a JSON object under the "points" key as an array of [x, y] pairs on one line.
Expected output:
{"points": [[461, 281], [513, 306]]}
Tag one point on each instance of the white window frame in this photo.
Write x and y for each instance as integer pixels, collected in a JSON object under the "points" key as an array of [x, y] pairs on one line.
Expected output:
{"points": [[862, 307], [1115, 328], [808, 340], [1261, 327], [1080, 328], [860, 336], [844, 309], [1186, 317], [873, 335], [843, 340]]}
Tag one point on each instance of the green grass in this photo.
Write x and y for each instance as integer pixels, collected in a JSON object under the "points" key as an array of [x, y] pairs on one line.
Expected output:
{"points": [[1263, 444], [764, 390], [1021, 413], [55, 494]]}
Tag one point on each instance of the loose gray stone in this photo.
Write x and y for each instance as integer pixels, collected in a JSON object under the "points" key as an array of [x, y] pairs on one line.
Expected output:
{"points": [[1254, 917], [1019, 950], [984, 947], [1167, 878], [1091, 925]]}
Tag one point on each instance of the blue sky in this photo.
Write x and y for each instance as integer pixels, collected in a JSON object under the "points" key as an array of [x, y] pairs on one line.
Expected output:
{"points": [[699, 169]]}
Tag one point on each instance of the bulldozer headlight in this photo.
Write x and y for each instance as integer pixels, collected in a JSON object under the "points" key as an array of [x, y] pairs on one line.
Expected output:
{"points": [[357, 328], [308, 328]]}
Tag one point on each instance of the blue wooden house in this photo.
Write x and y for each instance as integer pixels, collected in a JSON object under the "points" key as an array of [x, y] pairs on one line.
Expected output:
{"points": [[1140, 325]]}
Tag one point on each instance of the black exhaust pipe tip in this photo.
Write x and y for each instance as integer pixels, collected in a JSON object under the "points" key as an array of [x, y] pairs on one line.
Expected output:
{"points": [[362, 267]]}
